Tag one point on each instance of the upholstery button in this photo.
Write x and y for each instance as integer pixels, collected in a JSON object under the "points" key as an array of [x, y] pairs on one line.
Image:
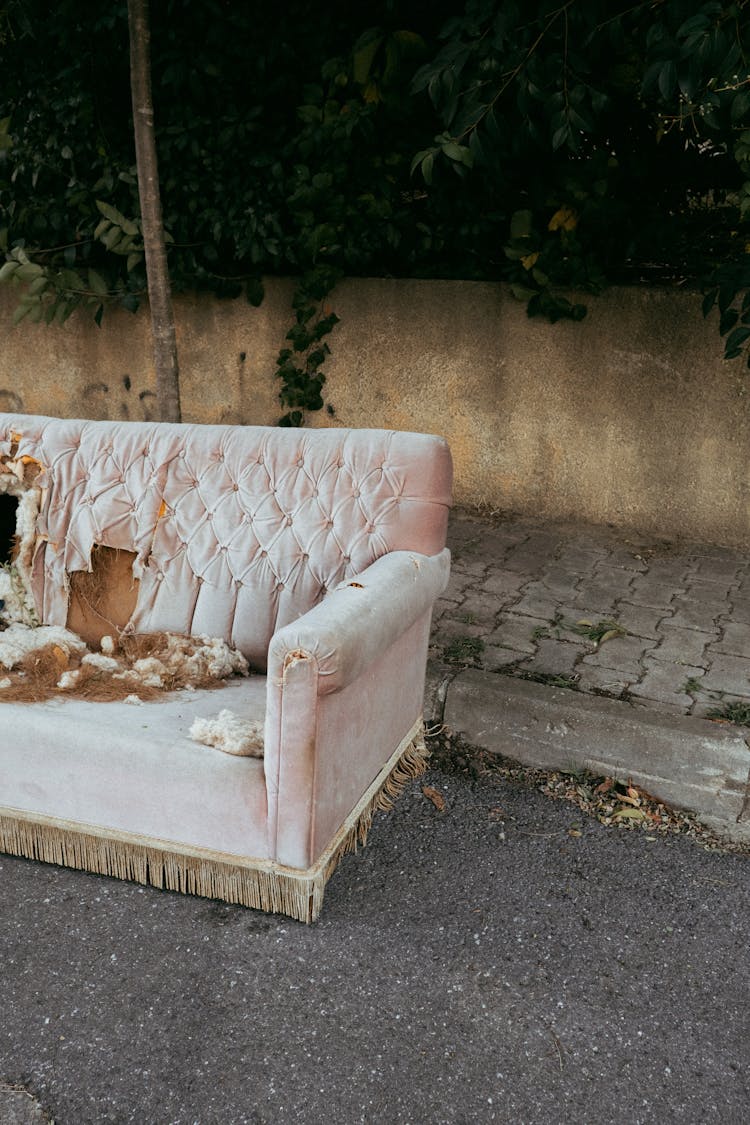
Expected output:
{"points": [[300, 462], [279, 585], [263, 554], [209, 515], [347, 559], [235, 487], [315, 492], [356, 493], [329, 523], [160, 577], [289, 521], [305, 558]]}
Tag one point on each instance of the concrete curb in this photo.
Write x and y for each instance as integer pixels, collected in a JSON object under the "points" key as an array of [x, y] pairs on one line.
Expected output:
{"points": [[689, 763], [19, 1107]]}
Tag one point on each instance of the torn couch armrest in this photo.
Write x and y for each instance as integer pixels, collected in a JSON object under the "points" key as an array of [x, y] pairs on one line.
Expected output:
{"points": [[361, 618]]}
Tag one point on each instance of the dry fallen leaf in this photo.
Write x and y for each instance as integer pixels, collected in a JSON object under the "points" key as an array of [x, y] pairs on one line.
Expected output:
{"points": [[574, 832], [433, 795], [629, 811]]}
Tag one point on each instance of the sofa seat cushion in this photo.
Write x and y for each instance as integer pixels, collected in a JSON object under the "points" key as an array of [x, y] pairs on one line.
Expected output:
{"points": [[133, 769]]}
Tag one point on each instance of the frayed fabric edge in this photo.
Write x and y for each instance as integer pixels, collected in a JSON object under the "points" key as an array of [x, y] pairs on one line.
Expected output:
{"points": [[259, 884]]}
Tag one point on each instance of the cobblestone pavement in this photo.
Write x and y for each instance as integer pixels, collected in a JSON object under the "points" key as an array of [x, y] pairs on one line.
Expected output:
{"points": [[535, 599]]}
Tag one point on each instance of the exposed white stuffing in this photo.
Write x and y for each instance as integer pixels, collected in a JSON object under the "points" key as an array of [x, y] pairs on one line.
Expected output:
{"points": [[230, 733], [192, 657], [103, 663], [69, 680], [5, 682], [134, 699], [107, 645], [148, 671], [18, 640]]}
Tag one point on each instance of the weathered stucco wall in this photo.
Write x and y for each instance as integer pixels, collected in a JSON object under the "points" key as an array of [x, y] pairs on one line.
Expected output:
{"points": [[630, 417]]}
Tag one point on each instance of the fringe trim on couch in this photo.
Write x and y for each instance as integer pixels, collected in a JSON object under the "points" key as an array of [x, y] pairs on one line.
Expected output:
{"points": [[262, 885]]}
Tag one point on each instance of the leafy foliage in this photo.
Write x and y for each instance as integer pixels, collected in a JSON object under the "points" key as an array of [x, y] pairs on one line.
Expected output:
{"points": [[572, 145], [617, 134]]}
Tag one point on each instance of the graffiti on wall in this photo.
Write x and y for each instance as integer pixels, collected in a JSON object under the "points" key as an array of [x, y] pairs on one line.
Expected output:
{"points": [[118, 402]]}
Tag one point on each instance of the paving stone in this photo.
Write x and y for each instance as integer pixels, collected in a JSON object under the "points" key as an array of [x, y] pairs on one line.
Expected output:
{"points": [[540, 603], [577, 558], [607, 680], [641, 621], [516, 632], [690, 614], [743, 585], [701, 591], [457, 586], [450, 629], [665, 683], [627, 559], [686, 646], [616, 578], [668, 570], [708, 702], [503, 583], [495, 542], [593, 598], [647, 590], [621, 653], [728, 674], [740, 610], [718, 569], [707, 551], [561, 582], [734, 639], [495, 658], [534, 554], [554, 658], [474, 568]]}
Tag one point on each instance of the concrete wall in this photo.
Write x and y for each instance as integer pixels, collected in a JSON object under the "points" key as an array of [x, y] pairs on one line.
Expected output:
{"points": [[630, 417]]}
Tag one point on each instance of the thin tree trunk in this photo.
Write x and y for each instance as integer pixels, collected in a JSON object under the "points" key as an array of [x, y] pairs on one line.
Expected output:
{"points": [[157, 272]]}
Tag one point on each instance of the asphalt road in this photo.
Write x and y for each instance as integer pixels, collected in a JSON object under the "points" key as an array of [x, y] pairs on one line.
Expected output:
{"points": [[476, 964]]}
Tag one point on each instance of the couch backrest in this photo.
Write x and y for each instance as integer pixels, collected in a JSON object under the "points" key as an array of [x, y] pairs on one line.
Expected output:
{"points": [[237, 529]]}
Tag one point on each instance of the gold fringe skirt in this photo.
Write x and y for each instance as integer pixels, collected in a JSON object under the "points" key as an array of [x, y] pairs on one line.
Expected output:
{"points": [[261, 884]]}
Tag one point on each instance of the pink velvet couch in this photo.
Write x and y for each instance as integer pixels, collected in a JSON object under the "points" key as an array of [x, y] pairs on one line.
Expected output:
{"points": [[319, 554]]}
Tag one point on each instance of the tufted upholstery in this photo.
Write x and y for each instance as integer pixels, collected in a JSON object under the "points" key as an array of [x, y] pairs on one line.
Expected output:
{"points": [[238, 530]]}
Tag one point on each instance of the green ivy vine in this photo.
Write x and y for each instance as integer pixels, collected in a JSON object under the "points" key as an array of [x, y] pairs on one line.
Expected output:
{"points": [[300, 367]]}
